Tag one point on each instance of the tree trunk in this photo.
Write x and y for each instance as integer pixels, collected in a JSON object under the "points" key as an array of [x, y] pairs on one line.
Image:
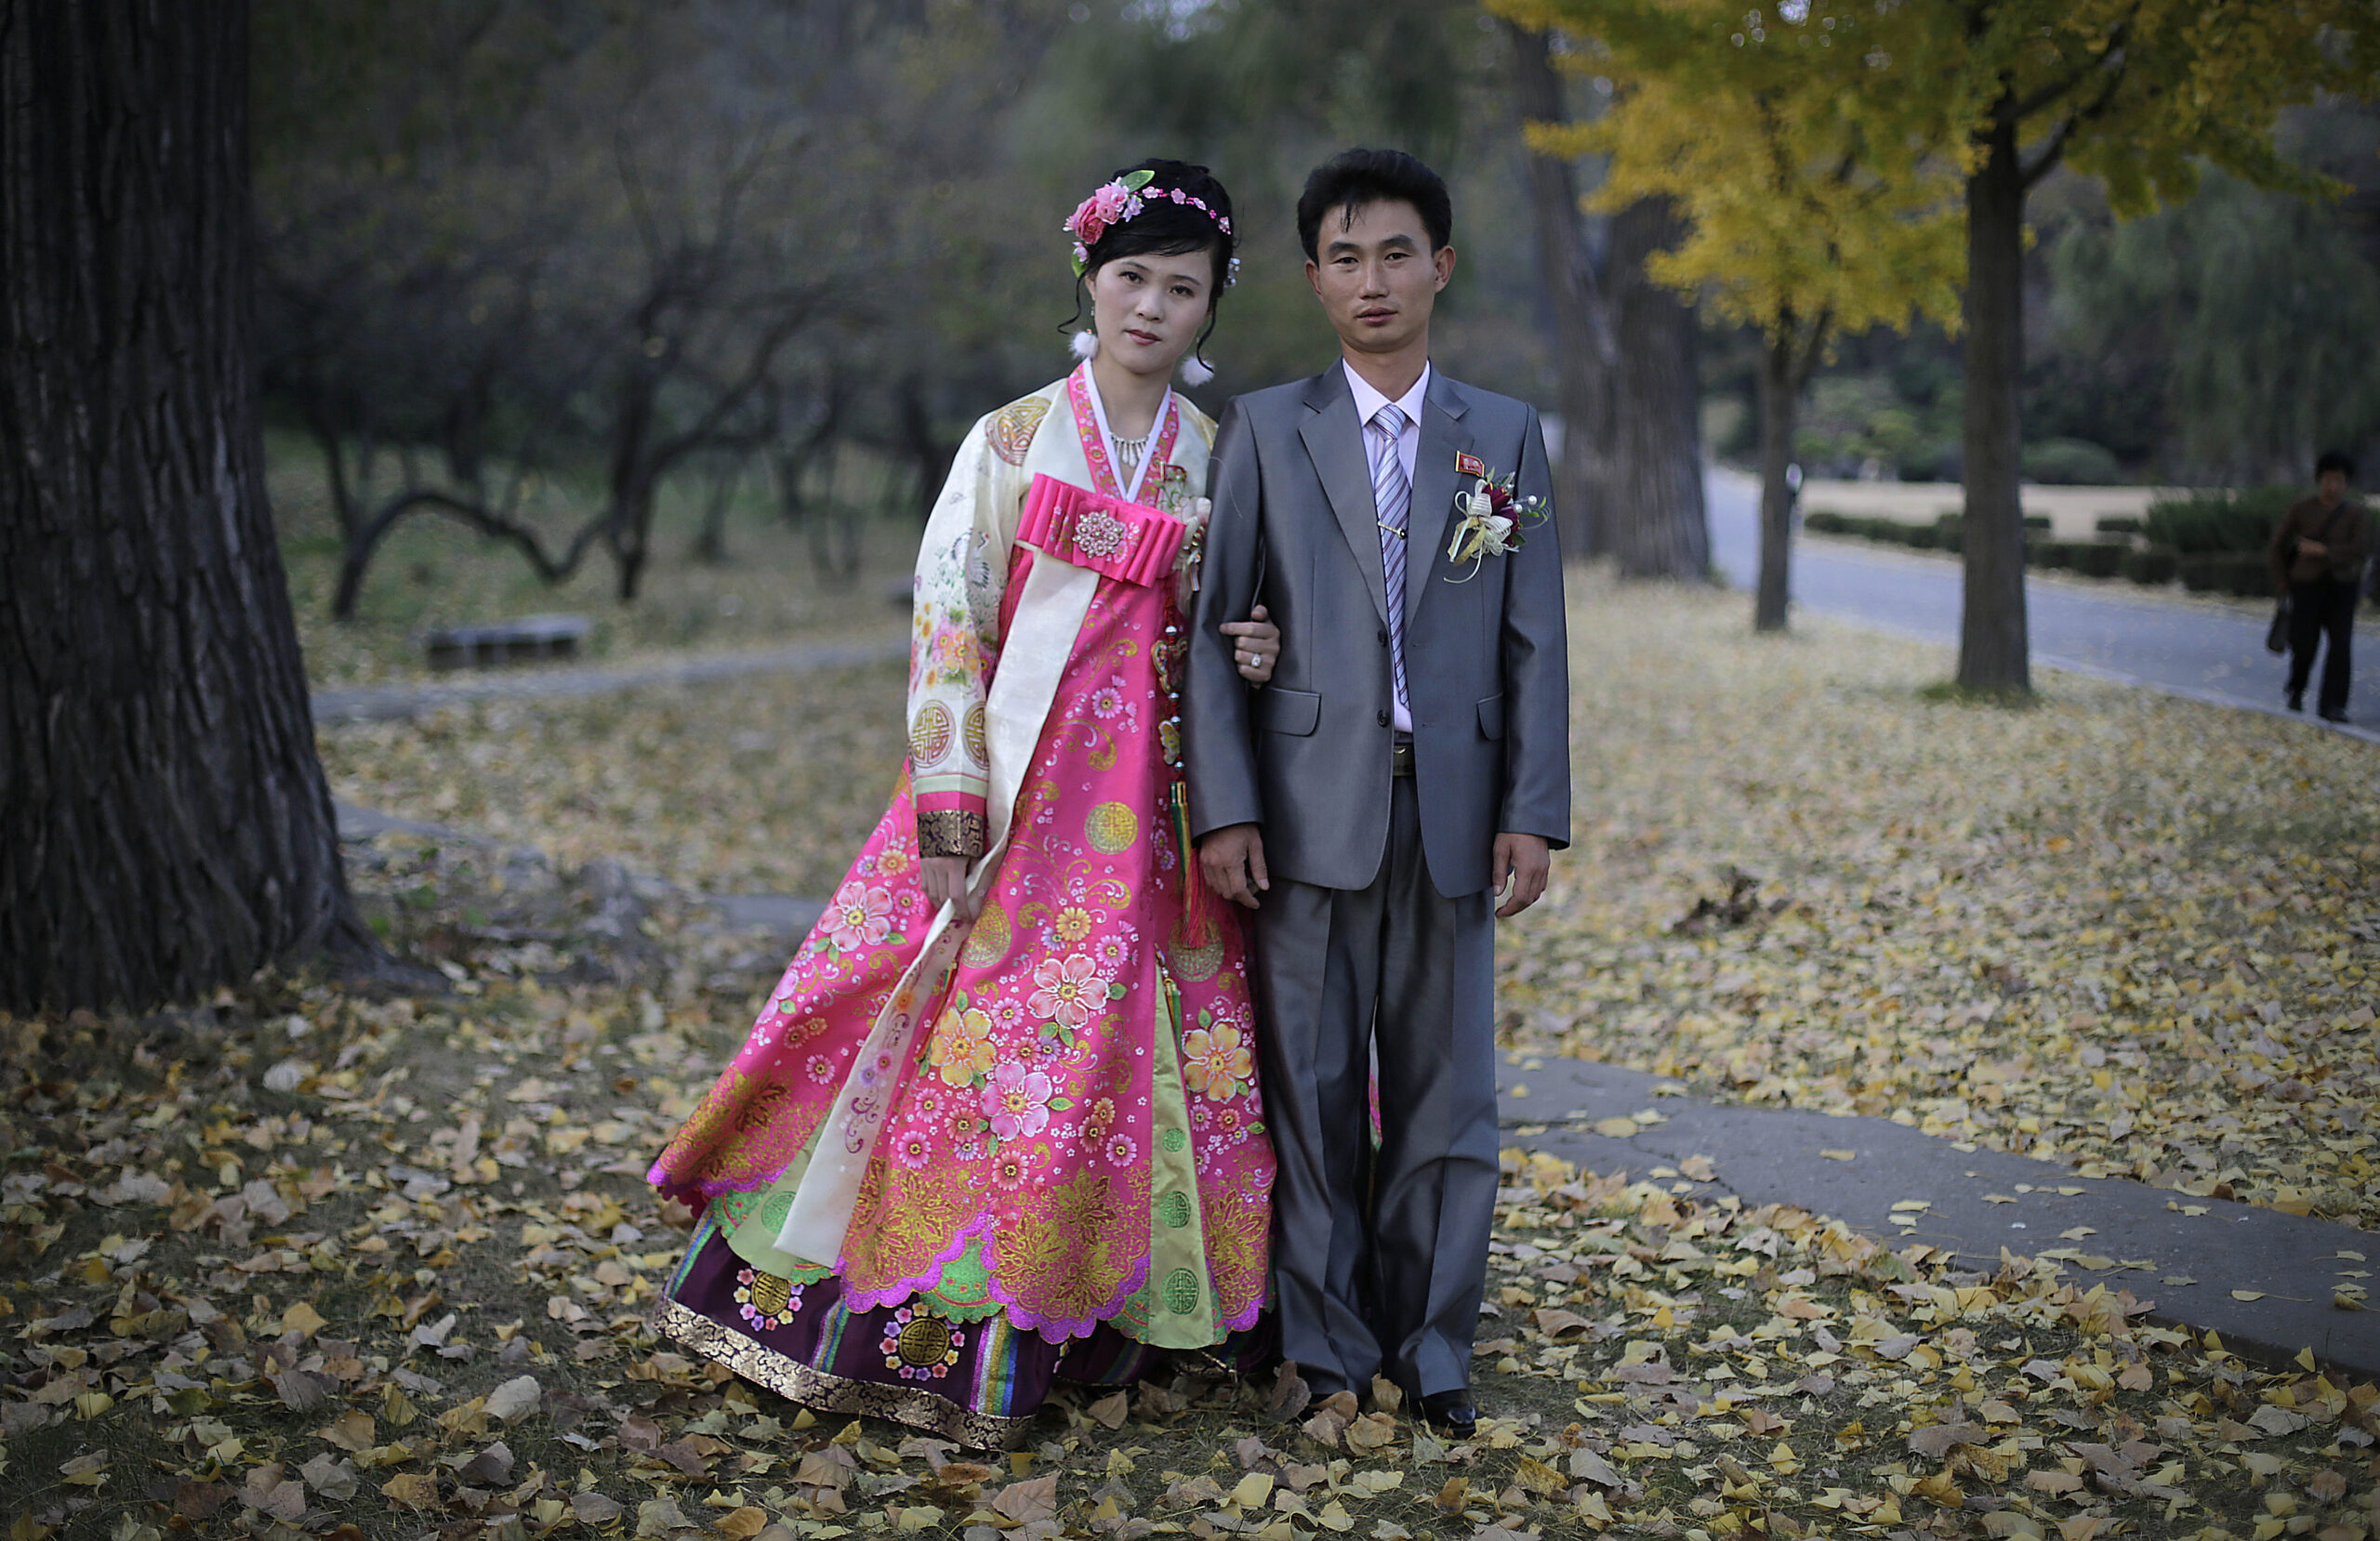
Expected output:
{"points": [[1626, 350], [1582, 339], [1780, 399], [1993, 649], [710, 541], [165, 825], [1652, 501]]}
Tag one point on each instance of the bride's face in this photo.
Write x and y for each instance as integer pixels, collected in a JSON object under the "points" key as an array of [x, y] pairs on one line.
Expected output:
{"points": [[1148, 308]]}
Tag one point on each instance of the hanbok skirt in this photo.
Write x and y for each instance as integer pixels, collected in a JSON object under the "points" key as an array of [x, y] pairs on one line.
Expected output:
{"points": [[1068, 1175]]}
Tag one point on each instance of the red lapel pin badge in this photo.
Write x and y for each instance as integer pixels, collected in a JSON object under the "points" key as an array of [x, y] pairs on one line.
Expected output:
{"points": [[1469, 465]]}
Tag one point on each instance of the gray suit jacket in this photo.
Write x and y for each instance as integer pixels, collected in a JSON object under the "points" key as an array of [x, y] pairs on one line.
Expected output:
{"points": [[1485, 662]]}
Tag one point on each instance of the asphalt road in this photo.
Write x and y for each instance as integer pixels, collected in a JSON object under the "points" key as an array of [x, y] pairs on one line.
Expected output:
{"points": [[2120, 633]]}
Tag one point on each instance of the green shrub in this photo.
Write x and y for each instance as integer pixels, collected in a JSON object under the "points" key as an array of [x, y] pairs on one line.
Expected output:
{"points": [[2197, 571], [2116, 524], [2239, 521], [2250, 576], [1825, 522], [2096, 559], [1925, 537], [2050, 553], [2152, 565], [2072, 463], [2037, 523]]}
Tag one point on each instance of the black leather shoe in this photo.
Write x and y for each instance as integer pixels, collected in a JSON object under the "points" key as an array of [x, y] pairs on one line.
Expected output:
{"points": [[2339, 717], [1451, 1413], [2297, 701]]}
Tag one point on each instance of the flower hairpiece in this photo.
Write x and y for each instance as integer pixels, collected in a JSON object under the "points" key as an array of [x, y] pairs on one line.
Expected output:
{"points": [[1120, 201]]}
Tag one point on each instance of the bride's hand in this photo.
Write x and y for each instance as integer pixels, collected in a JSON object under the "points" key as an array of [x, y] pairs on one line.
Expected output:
{"points": [[1256, 646], [945, 879]]}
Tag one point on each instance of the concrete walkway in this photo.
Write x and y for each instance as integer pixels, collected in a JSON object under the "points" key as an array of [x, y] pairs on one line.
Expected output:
{"points": [[2113, 631], [2187, 1255]]}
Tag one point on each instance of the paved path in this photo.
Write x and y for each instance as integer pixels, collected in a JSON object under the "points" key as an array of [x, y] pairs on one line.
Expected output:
{"points": [[2117, 632], [383, 702], [2142, 1239]]}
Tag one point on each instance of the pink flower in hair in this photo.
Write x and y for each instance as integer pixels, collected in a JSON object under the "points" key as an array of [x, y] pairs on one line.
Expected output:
{"points": [[1110, 205]]}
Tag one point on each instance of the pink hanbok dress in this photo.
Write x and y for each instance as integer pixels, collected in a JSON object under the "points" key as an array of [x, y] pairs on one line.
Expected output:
{"points": [[954, 1162]]}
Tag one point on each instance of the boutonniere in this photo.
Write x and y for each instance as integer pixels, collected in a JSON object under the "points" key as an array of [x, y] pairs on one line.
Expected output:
{"points": [[1490, 517]]}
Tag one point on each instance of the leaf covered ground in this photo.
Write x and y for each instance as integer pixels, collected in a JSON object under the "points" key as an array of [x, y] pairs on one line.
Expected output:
{"points": [[304, 1261], [2134, 934]]}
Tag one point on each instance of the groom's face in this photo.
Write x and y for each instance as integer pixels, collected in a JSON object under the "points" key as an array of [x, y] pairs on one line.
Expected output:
{"points": [[1376, 275]]}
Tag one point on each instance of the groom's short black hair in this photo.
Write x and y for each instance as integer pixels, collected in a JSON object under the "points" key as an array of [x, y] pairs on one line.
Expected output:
{"points": [[1358, 178]]}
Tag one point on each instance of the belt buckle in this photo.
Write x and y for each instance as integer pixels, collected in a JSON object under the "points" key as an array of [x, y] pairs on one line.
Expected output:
{"points": [[1400, 757]]}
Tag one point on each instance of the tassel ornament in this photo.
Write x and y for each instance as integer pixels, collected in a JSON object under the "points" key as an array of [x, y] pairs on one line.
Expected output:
{"points": [[1201, 906], [1085, 344]]}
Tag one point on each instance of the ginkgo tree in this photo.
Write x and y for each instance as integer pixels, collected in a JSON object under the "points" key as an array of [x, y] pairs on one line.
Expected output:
{"points": [[1804, 218], [2141, 95]]}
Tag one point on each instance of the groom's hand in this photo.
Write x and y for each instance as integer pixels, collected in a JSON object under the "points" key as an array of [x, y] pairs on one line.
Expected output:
{"points": [[1233, 859], [1521, 864]]}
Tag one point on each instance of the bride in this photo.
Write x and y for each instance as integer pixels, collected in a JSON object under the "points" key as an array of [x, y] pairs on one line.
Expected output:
{"points": [[999, 1124]]}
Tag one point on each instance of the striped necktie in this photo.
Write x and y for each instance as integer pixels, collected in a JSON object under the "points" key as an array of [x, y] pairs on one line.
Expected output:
{"points": [[1393, 497]]}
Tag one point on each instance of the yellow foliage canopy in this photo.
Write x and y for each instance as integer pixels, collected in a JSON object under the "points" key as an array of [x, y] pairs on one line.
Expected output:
{"points": [[1820, 149]]}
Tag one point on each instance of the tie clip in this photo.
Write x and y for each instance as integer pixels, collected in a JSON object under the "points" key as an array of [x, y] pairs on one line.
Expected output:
{"points": [[1392, 529]]}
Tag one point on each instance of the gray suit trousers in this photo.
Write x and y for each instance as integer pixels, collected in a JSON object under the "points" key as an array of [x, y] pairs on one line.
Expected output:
{"points": [[1380, 1259]]}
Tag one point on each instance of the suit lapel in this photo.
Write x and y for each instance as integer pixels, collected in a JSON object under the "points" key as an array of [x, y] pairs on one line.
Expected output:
{"points": [[1435, 484], [1335, 440]]}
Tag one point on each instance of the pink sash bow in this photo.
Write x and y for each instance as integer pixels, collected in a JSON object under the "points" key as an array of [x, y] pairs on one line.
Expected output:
{"points": [[1130, 542]]}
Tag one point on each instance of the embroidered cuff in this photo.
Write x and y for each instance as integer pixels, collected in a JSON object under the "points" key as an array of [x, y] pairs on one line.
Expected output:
{"points": [[951, 832]]}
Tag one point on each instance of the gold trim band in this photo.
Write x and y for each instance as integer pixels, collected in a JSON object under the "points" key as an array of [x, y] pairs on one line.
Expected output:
{"points": [[833, 1393]]}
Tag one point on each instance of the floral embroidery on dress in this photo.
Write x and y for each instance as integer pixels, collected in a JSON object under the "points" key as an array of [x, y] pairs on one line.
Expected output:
{"points": [[920, 1346], [1064, 989], [961, 1048], [765, 1301], [859, 917], [1215, 1060], [1017, 1102]]}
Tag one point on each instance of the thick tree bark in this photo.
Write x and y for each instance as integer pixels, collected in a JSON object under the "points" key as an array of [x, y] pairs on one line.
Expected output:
{"points": [[1779, 398], [165, 824], [1582, 354], [1993, 645], [1652, 499], [1625, 351]]}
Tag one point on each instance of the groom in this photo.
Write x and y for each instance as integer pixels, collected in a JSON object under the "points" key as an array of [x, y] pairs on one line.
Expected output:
{"points": [[1408, 769]]}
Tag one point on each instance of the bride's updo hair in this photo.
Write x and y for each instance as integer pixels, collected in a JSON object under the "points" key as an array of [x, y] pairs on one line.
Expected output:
{"points": [[1182, 208], [1167, 226]]}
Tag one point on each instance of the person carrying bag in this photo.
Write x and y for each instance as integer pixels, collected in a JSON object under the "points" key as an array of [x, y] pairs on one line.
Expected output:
{"points": [[2318, 552]]}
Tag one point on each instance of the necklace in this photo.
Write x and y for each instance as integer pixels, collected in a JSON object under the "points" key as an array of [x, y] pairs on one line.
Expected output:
{"points": [[1130, 456]]}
